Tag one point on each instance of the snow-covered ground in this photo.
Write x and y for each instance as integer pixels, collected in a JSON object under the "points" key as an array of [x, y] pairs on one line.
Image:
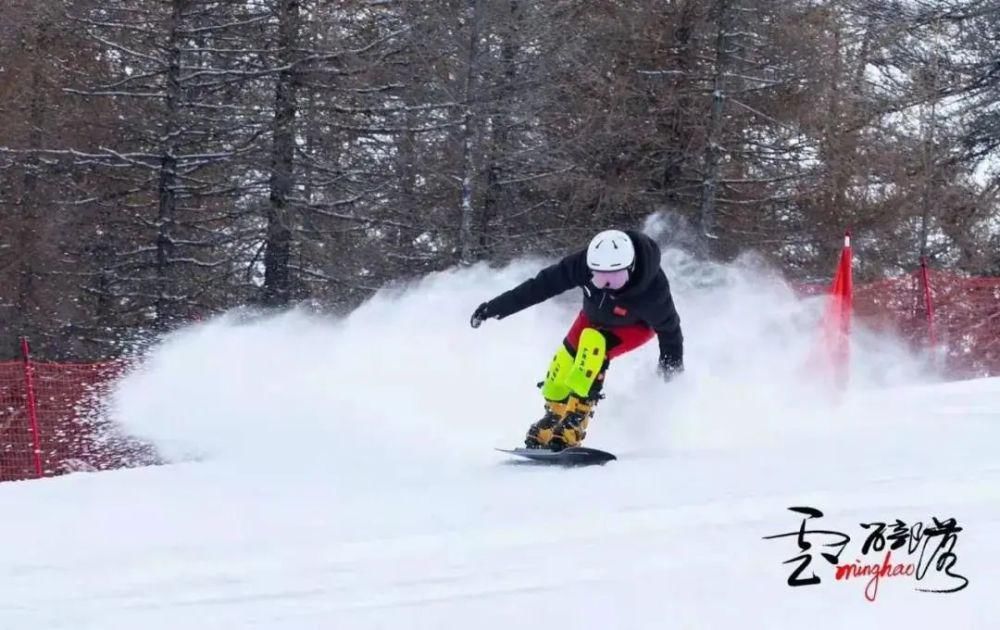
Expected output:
{"points": [[340, 474]]}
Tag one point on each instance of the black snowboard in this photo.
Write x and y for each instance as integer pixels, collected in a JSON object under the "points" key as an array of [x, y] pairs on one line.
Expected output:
{"points": [[572, 456]]}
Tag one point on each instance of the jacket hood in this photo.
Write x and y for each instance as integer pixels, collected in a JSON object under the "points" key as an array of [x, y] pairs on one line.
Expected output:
{"points": [[647, 264]]}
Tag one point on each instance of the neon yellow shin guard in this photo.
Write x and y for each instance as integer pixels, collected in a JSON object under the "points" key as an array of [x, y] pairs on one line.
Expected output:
{"points": [[567, 375], [554, 387], [590, 356]]}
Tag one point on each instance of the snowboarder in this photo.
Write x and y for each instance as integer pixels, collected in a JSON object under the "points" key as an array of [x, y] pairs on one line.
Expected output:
{"points": [[626, 301]]}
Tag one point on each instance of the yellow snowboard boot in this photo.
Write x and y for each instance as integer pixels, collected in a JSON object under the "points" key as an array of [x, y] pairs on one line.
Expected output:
{"points": [[541, 432], [572, 429]]}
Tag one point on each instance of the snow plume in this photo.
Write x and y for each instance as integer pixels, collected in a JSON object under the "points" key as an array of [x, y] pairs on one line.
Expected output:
{"points": [[404, 384]]}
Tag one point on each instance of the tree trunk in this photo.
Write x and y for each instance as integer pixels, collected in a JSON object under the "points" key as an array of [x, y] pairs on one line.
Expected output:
{"points": [[713, 146], [167, 186], [26, 309], [278, 244], [678, 136], [929, 153], [467, 240], [500, 126]]}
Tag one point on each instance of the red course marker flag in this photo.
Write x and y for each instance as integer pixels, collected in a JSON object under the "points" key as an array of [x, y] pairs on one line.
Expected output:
{"points": [[837, 318]]}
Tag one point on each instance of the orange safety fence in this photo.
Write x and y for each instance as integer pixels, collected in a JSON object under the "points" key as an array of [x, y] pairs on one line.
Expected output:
{"points": [[950, 316], [953, 316], [71, 433]]}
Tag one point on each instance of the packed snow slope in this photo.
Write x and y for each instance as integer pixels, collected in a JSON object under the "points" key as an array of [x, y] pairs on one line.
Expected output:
{"points": [[340, 473]]}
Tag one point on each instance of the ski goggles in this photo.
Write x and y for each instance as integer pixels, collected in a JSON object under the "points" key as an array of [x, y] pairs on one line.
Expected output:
{"points": [[613, 280]]}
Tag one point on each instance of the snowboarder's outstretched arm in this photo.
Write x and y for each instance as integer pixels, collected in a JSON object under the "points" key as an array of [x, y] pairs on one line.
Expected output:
{"points": [[564, 275], [663, 318]]}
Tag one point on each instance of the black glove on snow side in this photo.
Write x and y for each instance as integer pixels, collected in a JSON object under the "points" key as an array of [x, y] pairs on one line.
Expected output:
{"points": [[668, 369], [481, 313]]}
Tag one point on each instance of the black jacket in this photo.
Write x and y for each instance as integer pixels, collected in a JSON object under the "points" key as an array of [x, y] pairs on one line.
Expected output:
{"points": [[645, 299]]}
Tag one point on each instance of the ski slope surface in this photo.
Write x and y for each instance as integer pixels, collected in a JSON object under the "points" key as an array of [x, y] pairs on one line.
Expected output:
{"points": [[340, 473]]}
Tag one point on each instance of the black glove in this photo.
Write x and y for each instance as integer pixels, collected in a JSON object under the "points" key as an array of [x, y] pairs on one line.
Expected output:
{"points": [[482, 313], [669, 368]]}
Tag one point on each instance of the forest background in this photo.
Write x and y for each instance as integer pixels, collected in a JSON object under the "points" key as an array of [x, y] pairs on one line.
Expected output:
{"points": [[165, 160]]}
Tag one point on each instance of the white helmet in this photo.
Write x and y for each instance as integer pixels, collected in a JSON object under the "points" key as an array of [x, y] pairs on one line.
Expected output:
{"points": [[611, 250]]}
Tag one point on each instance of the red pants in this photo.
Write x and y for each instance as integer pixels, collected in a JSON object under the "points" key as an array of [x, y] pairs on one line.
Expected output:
{"points": [[621, 339]]}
